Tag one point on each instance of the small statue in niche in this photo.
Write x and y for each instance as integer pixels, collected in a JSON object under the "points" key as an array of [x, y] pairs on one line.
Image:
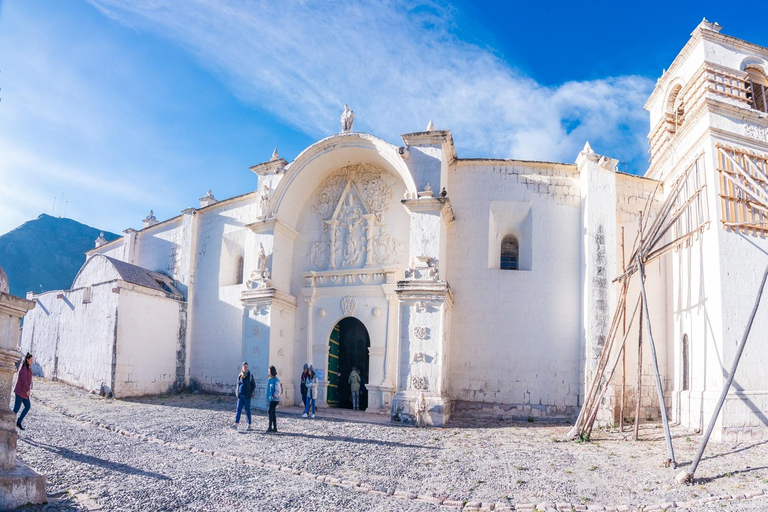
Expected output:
{"points": [[421, 411], [264, 201], [261, 261]]}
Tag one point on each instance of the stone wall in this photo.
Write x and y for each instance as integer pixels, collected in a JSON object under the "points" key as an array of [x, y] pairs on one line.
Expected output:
{"points": [[515, 334]]}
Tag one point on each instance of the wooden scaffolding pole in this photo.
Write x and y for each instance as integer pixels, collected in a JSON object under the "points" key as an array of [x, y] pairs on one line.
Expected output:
{"points": [[687, 476], [624, 352], [662, 407], [639, 392]]}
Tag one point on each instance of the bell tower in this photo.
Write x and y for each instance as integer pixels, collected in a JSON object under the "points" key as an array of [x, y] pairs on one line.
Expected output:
{"points": [[709, 127]]}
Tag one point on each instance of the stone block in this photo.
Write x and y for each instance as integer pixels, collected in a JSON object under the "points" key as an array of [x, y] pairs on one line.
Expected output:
{"points": [[20, 486]]}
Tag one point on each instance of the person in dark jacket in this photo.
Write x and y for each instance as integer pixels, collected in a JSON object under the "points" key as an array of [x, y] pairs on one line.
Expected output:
{"points": [[23, 389], [244, 392], [304, 377]]}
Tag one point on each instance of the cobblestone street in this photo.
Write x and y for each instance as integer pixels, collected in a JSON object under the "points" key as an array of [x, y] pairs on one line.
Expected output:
{"points": [[178, 452]]}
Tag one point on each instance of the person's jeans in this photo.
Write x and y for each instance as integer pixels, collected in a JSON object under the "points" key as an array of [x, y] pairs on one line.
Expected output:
{"points": [[17, 404], [308, 402], [243, 402], [272, 415], [356, 399]]}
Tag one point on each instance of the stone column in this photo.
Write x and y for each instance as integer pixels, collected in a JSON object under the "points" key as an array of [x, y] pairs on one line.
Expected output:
{"points": [[19, 485], [425, 300], [599, 262]]}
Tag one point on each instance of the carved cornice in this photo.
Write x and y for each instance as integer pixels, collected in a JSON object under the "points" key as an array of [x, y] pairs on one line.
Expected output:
{"points": [[430, 138], [352, 276], [15, 306], [433, 291], [272, 166], [273, 225], [430, 204], [433, 138], [252, 299]]}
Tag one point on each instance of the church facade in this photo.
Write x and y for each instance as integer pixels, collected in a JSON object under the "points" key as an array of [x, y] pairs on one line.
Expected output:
{"points": [[485, 285]]}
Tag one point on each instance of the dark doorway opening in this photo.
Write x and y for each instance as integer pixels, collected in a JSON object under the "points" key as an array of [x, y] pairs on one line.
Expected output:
{"points": [[348, 348]]}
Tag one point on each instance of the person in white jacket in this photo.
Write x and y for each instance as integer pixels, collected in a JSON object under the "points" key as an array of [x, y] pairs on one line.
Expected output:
{"points": [[311, 392]]}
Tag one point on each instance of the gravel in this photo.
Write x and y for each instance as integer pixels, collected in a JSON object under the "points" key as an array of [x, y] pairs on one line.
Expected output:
{"points": [[178, 452]]}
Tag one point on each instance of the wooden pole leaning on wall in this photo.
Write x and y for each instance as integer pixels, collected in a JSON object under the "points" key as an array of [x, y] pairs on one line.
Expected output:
{"points": [[624, 352], [659, 390], [639, 393], [687, 476], [591, 418], [578, 428]]}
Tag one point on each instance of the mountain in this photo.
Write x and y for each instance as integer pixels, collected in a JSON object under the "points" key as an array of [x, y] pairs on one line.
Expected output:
{"points": [[47, 252]]}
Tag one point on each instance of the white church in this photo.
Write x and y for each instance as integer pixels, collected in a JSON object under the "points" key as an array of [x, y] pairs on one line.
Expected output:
{"points": [[486, 285]]}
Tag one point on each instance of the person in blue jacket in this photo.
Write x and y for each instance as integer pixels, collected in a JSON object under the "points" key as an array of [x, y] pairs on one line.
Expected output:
{"points": [[274, 390], [244, 392]]}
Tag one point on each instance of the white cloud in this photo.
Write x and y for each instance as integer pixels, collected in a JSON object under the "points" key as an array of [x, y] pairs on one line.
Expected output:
{"points": [[398, 64]]}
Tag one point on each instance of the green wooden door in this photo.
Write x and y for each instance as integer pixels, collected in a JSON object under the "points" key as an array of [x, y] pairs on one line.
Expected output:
{"points": [[333, 368]]}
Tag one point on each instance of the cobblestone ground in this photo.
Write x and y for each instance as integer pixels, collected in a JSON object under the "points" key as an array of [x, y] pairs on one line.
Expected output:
{"points": [[178, 452]]}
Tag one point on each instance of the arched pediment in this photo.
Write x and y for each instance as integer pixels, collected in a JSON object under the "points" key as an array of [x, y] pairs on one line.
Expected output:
{"points": [[319, 160]]}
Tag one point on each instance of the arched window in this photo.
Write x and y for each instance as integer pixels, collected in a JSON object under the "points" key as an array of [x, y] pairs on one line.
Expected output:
{"points": [[510, 249], [675, 109], [758, 85], [239, 273], [686, 363]]}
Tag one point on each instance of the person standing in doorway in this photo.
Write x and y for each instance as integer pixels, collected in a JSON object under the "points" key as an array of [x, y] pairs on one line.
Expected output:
{"points": [[274, 390], [244, 392], [304, 376], [311, 392], [23, 389], [354, 385]]}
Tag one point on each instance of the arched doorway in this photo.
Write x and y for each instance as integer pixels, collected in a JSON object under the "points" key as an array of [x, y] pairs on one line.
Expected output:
{"points": [[347, 349]]}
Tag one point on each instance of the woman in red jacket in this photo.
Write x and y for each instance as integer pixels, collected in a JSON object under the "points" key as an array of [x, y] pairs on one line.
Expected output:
{"points": [[23, 388]]}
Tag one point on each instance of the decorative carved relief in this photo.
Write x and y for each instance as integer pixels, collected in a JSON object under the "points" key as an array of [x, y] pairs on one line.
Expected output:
{"points": [[376, 312], [256, 331], [348, 305], [421, 306], [321, 313], [281, 352], [423, 268], [419, 383], [756, 132], [418, 357], [421, 332], [350, 205]]}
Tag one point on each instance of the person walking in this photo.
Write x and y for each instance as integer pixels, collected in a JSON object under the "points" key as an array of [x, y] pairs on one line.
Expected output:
{"points": [[311, 392], [274, 390], [244, 392], [354, 385], [23, 389], [304, 375]]}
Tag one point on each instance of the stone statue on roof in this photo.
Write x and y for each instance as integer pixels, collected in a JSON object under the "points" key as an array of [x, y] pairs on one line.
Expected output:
{"points": [[347, 118]]}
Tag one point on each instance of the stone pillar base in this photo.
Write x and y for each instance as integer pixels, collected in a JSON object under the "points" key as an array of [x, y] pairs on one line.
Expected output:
{"points": [[379, 399], [20, 486], [404, 409]]}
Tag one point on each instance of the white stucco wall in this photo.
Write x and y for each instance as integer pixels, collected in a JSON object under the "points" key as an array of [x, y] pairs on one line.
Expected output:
{"points": [[515, 334], [150, 333], [216, 313], [73, 341]]}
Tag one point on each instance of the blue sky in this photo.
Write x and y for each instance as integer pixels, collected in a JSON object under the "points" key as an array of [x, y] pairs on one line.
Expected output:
{"points": [[121, 107]]}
